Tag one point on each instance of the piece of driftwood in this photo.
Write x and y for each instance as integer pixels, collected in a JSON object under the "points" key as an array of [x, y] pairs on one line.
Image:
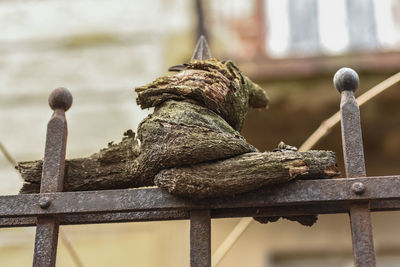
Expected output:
{"points": [[219, 86], [183, 133], [115, 167], [197, 115], [197, 118], [246, 172], [191, 145]]}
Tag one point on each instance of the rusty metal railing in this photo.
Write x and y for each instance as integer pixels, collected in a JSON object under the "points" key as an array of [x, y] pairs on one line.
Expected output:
{"points": [[346, 81], [357, 194]]}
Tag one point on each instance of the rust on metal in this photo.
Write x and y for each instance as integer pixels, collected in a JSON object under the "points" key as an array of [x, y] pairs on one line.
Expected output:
{"points": [[200, 238], [302, 192], [44, 202], [47, 227], [179, 214], [200, 220], [346, 82], [46, 242], [358, 188], [356, 194], [361, 232]]}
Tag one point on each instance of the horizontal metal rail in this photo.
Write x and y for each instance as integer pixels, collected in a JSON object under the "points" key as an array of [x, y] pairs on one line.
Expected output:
{"points": [[294, 198], [166, 215]]}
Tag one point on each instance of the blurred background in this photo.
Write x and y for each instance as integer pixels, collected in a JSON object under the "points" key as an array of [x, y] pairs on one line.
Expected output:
{"points": [[101, 50]]}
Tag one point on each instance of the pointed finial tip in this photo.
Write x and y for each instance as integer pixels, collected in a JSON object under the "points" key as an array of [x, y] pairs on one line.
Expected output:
{"points": [[346, 79], [202, 51]]}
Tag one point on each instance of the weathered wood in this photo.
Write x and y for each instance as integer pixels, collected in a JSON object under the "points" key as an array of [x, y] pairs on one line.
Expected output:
{"points": [[219, 86], [190, 145], [177, 133], [246, 172], [198, 113], [115, 167], [182, 133]]}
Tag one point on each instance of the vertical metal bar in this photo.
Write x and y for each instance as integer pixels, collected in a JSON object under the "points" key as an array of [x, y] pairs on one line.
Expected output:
{"points": [[361, 232], [200, 238], [52, 178], [346, 81], [201, 28], [46, 242]]}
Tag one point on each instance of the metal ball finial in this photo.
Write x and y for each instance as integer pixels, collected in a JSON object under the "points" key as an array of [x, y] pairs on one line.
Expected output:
{"points": [[60, 98], [346, 79]]}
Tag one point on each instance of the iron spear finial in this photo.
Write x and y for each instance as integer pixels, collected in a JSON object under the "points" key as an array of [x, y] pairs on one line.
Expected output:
{"points": [[202, 51]]}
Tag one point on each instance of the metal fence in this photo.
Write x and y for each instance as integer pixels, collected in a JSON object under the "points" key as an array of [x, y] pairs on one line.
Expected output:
{"points": [[357, 194]]}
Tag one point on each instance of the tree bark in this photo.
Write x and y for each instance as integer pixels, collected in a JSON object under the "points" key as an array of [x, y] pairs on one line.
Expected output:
{"points": [[197, 117], [115, 167], [190, 145], [220, 87], [246, 172]]}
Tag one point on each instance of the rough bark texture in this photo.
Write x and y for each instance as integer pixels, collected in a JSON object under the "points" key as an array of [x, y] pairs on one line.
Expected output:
{"points": [[246, 172], [191, 145], [182, 133], [219, 86], [198, 113], [113, 167]]}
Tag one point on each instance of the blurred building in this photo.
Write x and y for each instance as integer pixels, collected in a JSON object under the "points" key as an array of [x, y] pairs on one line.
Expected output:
{"points": [[101, 50]]}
